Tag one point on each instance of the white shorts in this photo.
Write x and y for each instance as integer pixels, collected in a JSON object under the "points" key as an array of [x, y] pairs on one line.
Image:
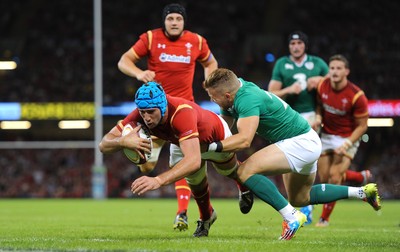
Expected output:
{"points": [[302, 152], [331, 142], [176, 154]]}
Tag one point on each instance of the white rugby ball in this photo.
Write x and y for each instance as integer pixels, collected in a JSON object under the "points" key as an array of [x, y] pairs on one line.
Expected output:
{"points": [[132, 155]]}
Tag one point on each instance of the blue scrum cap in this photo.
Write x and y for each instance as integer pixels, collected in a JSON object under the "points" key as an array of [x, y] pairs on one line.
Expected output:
{"points": [[151, 95]]}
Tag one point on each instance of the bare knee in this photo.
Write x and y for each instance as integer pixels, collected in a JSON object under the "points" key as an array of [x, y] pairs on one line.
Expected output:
{"points": [[244, 172], [335, 178], [323, 178]]}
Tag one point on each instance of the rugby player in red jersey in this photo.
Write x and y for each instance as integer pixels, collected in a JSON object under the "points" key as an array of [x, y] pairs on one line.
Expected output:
{"points": [[190, 129], [342, 110]]}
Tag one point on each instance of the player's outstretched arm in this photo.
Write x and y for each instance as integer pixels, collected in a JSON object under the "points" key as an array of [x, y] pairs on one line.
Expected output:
{"points": [[114, 141], [247, 128], [190, 163]]}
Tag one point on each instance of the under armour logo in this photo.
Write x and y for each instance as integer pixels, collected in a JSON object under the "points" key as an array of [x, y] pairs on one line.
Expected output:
{"points": [[161, 46]]}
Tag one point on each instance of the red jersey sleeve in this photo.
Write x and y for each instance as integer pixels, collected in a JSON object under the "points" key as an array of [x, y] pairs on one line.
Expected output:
{"points": [[360, 107], [319, 85], [204, 49], [134, 116], [142, 47]]}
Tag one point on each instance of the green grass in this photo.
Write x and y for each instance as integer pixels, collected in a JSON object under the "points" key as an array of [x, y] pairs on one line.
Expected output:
{"points": [[146, 225]]}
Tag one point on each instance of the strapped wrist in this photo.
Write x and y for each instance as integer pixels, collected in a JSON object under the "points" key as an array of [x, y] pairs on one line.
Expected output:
{"points": [[215, 146]]}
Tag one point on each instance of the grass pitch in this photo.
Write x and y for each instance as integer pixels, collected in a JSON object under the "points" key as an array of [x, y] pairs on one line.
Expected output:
{"points": [[146, 225]]}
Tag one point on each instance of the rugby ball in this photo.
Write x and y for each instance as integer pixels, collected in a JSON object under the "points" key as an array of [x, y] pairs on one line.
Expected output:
{"points": [[132, 155]]}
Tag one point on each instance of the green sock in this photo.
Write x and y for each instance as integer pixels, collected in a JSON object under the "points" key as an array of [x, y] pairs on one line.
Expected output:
{"points": [[325, 193], [266, 191]]}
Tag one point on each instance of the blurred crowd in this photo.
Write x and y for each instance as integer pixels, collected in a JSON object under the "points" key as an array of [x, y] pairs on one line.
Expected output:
{"points": [[52, 42]]}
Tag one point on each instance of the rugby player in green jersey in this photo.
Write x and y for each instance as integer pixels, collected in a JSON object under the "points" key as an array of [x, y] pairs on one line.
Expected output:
{"points": [[293, 76], [293, 152]]}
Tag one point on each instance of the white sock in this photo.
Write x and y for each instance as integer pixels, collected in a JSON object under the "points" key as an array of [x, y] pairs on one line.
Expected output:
{"points": [[356, 193], [288, 213]]}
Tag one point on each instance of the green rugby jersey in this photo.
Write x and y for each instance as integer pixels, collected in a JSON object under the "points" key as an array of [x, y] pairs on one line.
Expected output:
{"points": [[287, 72], [278, 120]]}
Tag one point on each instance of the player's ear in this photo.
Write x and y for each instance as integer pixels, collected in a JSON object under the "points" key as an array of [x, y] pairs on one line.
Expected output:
{"points": [[228, 95]]}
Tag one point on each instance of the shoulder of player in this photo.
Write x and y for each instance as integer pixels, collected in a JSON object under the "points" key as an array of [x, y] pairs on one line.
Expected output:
{"points": [[248, 91], [155, 33], [357, 94], [191, 33], [178, 103], [193, 37], [323, 83], [283, 59], [148, 36], [355, 88], [280, 62], [314, 58], [352, 85], [182, 111], [160, 32]]}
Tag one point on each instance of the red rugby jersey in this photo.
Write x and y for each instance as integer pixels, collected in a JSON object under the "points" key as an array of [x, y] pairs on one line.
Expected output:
{"points": [[173, 61], [185, 120], [340, 108]]}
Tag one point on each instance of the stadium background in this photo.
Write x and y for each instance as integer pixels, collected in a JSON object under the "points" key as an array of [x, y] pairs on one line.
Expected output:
{"points": [[52, 42]]}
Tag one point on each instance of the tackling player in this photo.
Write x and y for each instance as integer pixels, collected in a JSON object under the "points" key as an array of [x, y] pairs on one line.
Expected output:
{"points": [[293, 153]]}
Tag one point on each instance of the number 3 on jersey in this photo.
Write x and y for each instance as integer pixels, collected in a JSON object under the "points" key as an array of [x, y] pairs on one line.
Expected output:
{"points": [[302, 79]]}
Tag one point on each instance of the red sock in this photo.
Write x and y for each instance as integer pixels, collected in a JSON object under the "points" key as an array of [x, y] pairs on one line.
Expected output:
{"points": [[241, 187], [182, 195], [353, 176], [203, 202], [327, 210]]}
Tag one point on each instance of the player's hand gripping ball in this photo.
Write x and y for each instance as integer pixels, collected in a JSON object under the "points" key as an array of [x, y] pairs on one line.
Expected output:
{"points": [[132, 155]]}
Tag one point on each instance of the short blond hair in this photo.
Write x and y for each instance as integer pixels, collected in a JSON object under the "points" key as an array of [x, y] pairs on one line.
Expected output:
{"points": [[341, 58], [221, 77]]}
